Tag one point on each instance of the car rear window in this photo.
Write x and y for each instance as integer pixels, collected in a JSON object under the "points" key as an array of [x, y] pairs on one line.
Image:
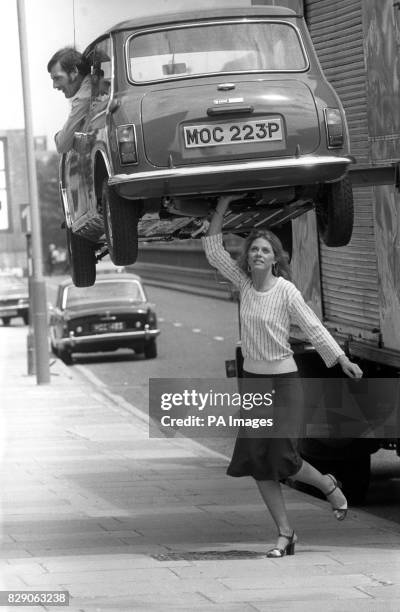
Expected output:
{"points": [[199, 49], [107, 291]]}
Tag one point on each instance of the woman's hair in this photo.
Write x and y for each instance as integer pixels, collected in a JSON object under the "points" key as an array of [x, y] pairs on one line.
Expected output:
{"points": [[281, 257]]}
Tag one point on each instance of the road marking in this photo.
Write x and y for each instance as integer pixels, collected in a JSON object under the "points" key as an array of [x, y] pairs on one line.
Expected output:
{"points": [[219, 338], [177, 324], [196, 330], [161, 319]]}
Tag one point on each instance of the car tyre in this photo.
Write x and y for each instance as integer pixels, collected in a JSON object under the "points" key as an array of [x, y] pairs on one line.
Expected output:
{"points": [[335, 213], [120, 218], [6, 321], [150, 350], [65, 356], [25, 318], [82, 259]]}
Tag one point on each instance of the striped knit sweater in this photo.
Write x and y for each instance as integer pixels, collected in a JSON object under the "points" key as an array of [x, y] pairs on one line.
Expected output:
{"points": [[266, 317]]}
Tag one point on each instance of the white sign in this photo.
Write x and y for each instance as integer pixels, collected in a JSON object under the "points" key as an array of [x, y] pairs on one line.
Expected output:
{"points": [[4, 216], [25, 212]]}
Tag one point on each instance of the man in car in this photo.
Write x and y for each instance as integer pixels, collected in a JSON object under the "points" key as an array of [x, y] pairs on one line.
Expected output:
{"points": [[70, 74]]}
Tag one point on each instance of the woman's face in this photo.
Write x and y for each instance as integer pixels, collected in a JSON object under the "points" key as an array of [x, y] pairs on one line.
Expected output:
{"points": [[260, 255]]}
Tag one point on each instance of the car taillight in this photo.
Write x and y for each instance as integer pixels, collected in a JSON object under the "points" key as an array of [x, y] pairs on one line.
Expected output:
{"points": [[334, 127], [126, 138]]}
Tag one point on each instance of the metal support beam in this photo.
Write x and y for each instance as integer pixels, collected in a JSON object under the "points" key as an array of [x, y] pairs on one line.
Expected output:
{"points": [[364, 176]]}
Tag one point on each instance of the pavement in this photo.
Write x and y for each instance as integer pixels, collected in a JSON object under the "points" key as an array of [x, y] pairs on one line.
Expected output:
{"points": [[93, 506]]}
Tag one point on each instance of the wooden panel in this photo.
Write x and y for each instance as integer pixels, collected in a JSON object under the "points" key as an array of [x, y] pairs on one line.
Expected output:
{"points": [[349, 274], [383, 64], [305, 261], [388, 266]]}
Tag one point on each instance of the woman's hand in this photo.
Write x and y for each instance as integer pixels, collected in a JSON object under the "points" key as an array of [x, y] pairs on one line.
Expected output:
{"points": [[225, 200], [349, 368], [219, 212]]}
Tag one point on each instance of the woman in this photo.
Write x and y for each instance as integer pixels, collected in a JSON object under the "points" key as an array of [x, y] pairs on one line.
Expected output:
{"points": [[269, 303]]}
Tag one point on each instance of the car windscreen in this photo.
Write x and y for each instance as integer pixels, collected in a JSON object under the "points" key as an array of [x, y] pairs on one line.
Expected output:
{"points": [[201, 49], [103, 291]]}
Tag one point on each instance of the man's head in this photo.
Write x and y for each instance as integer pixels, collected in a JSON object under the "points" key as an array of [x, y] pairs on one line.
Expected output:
{"points": [[67, 69]]}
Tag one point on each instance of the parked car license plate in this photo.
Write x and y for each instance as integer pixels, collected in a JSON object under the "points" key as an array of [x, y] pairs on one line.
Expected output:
{"points": [[233, 133], [108, 326], [9, 313]]}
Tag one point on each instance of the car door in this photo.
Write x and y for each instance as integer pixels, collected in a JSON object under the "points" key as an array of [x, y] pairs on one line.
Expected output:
{"points": [[93, 136], [56, 318], [75, 201]]}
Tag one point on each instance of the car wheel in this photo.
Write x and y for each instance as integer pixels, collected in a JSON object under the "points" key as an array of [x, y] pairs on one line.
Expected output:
{"points": [[82, 259], [120, 218], [335, 213], [25, 318], [65, 356], [6, 320], [150, 350]]}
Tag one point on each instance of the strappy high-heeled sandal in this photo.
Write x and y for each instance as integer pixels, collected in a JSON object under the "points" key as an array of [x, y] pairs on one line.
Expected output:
{"points": [[341, 512], [276, 553]]}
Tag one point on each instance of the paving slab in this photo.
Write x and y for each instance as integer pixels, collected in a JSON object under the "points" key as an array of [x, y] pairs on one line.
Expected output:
{"points": [[125, 522]]}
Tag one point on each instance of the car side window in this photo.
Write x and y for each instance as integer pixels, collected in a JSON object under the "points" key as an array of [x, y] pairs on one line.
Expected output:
{"points": [[101, 73]]}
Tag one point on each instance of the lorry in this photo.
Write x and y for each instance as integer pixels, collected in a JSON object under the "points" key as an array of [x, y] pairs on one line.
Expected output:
{"points": [[355, 289]]}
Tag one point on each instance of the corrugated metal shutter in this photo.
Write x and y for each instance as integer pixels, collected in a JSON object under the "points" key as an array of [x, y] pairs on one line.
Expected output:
{"points": [[349, 279]]}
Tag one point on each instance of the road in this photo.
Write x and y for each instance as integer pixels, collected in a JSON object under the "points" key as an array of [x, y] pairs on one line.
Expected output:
{"points": [[197, 335]]}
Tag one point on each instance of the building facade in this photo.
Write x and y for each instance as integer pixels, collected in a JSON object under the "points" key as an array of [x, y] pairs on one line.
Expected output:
{"points": [[14, 199]]}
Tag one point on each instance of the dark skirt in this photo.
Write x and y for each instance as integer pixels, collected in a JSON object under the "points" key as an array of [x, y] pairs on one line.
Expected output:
{"points": [[272, 458]]}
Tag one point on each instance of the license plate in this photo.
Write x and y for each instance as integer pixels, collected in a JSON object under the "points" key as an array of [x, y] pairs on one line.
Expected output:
{"points": [[108, 326], [240, 132], [9, 313]]}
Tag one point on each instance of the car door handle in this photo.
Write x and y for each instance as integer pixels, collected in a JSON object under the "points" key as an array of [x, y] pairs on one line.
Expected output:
{"points": [[231, 109]]}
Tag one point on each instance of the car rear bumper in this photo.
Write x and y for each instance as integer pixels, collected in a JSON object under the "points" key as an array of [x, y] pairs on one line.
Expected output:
{"points": [[244, 175], [14, 311], [107, 340]]}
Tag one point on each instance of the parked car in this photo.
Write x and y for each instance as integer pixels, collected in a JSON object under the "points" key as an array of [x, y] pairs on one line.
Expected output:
{"points": [[112, 314], [191, 105], [14, 299]]}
